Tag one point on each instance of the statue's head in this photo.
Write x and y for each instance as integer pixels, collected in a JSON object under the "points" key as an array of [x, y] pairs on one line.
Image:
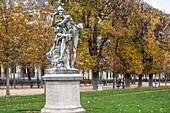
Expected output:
{"points": [[60, 11]]}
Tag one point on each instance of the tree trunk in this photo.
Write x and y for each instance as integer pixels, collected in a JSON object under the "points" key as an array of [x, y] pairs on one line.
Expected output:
{"points": [[95, 79], [29, 74], [155, 80], [107, 73], [123, 83], [134, 79], [140, 81], [159, 79], [166, 76], [114, 80], [0, 70], [150, 80], [42, 74], [14, 78], [7, 82], [127, 80]]}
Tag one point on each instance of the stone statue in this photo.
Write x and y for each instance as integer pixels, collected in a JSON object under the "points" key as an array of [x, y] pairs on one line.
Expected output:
{"points": [[65, 31]]}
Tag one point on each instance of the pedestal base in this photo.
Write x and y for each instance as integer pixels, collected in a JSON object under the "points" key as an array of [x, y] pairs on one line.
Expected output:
{"points": [[62, 92], [64, 110]]}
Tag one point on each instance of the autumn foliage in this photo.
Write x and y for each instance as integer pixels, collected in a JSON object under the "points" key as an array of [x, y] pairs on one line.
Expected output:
{"points": [[133, 36]]}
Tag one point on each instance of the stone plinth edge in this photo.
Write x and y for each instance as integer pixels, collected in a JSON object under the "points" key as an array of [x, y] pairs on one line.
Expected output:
{"points": [[62, 71], [63, 110], [62, 75]]}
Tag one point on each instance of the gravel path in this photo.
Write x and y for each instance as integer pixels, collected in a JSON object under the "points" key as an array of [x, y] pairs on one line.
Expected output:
{"points": [[34, 91], [22, 91]]}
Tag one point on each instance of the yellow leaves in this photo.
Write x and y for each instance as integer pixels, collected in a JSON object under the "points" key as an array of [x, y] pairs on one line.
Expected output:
{"points": [[19, 40], [132, 59], [154, 21], [154, 56], [106, 28], [84, 60], [92, 21]]}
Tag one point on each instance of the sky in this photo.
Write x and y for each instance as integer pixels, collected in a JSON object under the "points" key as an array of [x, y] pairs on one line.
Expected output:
{"points": [[163, 5]]}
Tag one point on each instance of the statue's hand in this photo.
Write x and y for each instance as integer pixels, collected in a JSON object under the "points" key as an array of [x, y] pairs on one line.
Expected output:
{"points": [[59, 24], [55, 14]]}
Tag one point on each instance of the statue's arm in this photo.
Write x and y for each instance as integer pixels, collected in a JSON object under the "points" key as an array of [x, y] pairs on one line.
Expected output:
{"points": [[53, 20], [63, 35], [65, 20]]}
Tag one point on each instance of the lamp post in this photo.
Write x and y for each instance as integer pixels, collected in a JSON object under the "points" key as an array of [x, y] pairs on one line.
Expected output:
{"points": [[100, 83], [101, 72], [100, 61]]}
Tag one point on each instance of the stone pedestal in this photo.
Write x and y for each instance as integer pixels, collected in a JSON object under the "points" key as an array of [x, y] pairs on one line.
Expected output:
{"points": [[62, 91]]}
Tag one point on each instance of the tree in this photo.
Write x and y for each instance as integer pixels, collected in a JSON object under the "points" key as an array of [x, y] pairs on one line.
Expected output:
{"points": [[12, 27], [130, 37], [39, 39], [126, 29]]}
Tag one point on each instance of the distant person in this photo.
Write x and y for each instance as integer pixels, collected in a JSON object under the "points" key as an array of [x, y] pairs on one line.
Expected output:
{"points": [[119, 81], [85, 81], [163, 79]]}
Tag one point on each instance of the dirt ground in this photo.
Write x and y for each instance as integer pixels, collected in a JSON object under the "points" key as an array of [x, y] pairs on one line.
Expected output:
{"points": [[26, 90]]}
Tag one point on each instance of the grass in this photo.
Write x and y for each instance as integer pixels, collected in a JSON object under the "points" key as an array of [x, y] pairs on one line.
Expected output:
{"points": [[148, 100]]}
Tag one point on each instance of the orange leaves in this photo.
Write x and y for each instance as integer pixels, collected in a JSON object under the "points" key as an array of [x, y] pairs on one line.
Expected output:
{"points": [[153, 23], [13, 33], [131, 36]]}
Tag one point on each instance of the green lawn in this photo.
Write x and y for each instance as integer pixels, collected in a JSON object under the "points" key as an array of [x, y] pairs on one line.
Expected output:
{"points": [[148, 100]]}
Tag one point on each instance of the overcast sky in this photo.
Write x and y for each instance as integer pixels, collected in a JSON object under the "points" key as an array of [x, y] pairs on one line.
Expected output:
{"points": [[163, 5]]}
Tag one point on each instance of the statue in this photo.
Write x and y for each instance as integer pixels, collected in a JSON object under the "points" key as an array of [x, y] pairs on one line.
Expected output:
{"points": [[64, 32], [63, 75]]}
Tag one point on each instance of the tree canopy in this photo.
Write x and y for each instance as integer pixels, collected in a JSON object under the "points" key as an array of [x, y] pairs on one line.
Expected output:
{"points": [[130, 37]]}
